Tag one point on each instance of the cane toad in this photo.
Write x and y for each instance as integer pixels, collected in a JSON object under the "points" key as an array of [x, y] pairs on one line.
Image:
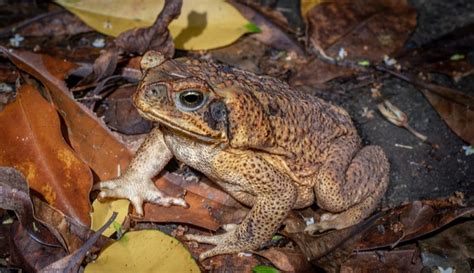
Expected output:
{"points": [[269, 146]]}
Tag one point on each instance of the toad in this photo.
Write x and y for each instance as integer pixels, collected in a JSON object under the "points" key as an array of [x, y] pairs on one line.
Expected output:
{"points": [[271, 147]]}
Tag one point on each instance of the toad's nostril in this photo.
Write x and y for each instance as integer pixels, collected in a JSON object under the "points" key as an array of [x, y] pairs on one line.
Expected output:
{"points": [[156, 91]]}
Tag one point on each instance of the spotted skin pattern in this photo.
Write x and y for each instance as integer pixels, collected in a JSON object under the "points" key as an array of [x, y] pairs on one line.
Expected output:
{"points": [[272, 148]]}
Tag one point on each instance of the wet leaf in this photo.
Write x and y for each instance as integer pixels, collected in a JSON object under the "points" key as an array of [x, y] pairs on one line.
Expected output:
{"points": [[202, 24], [32, 143], [132, 254]]}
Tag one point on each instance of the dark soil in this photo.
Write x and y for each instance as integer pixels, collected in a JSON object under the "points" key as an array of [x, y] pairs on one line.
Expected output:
{"points": [[420, 172]]}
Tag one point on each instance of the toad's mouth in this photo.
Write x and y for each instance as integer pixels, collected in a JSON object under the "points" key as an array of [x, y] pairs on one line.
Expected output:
{"points": [[154, 116]]}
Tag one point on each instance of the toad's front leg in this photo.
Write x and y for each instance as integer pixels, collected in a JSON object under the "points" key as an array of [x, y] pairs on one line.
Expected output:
{"points": [[275, 196], [136, 184]]}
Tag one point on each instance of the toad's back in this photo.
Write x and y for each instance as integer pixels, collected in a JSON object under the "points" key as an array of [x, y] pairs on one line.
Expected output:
{"points": [[267, 114]]}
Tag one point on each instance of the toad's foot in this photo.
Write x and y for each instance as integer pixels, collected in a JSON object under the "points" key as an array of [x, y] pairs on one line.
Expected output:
{"points": [[225, 243], [328, 221], [137, 191]]}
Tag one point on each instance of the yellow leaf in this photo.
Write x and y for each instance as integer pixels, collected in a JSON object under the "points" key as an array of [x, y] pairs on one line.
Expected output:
{"points": [[142, 252], [102, 211], [307, 5], [203, 24]]}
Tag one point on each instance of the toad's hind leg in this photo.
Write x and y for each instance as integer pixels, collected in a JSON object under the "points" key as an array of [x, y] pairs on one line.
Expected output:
{"points": [[350, 187]]}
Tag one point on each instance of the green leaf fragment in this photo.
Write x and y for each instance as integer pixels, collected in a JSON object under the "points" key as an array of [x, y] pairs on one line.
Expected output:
{"points": [[265, 269], [277, 238], [252, 28], [457, 57], [364, 63]]}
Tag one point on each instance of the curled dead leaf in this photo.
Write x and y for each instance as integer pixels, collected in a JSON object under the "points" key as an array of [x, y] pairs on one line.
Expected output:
{"points": [[397, 117]]}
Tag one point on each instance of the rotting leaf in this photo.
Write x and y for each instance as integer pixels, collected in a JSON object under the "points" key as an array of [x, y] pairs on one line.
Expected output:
{"points": [[330, 249], [105, 154], [72, 262], [74, 233], [28, 254], [286, 260], [415, 218], [388, 230], [406, 260], [397, 117], [14, 195], [132, 254], [32, 142]]}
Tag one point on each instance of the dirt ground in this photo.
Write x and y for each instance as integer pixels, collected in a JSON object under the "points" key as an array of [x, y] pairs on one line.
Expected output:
{"points": [[419, 171]]}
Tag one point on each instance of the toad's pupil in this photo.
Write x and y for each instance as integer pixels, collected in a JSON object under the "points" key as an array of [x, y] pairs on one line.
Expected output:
{"points": [[191, 98]]}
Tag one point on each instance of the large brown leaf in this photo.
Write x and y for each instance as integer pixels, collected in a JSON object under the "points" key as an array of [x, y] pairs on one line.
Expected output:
{"points": [[89, 137], [458, 114], [104, 153], [31, 142], [366, 29]]}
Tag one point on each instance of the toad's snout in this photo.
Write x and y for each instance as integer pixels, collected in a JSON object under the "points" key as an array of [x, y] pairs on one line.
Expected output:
{"points": [[150, 95]]}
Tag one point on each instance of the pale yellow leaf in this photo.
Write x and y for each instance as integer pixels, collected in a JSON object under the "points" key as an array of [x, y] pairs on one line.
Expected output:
{"points": [[203, 24], [306, 5], [102, 211], [142, 252]]}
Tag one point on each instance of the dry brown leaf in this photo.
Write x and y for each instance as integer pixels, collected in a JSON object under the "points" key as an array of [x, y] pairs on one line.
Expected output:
{"points": [[89, 136], [406, 260], [31, 142], [354, 31], [367, 30], [459, 115]]}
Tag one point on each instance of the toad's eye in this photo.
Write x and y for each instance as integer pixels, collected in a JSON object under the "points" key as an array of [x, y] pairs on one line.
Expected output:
{"points": [[191, 100]]}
